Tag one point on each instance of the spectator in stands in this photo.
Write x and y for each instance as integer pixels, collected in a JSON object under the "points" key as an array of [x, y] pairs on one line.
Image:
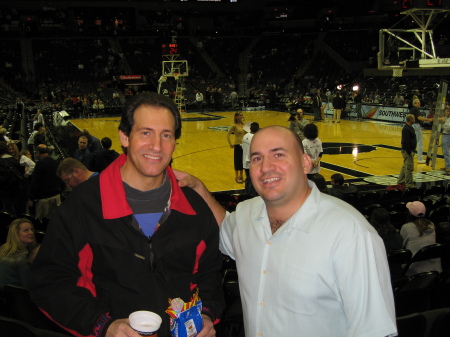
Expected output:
{"points": [[23, 160], [446, 138], [380, 220], [45, 187], [116, 97], [72, 172], [38, 118], [30, 141], [93, 142], [94, 107], [3, 116], [234, 97], [319, 181], [199, 100], [357, 99], [338, 106], [101, 159], [19, 106], [339, 188], [313, 148], [418, 128], [83, 154], [14, 254], [86, 106], [39, 137], [317, 106], [246, 141], [27, 166], [409, 144], [101, 106], [417, 233], [3, 137], [297, 123], [237, 130], [11, 175], [398, 99], [217, 98]]}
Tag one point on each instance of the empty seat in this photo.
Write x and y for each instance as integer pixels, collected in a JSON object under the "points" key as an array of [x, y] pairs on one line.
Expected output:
{"points": [[435, 190], [413, 325], [392, 196], [399, 206], [398, 219], [415, 295], [369, 209], [440, 213], [412, 194], [15, 328], [396, 261], [429, 252], [21, 307], [438, 322]]}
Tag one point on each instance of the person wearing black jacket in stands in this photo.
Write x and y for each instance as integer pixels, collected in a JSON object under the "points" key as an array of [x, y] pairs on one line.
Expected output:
{"points": [[409, 144]]}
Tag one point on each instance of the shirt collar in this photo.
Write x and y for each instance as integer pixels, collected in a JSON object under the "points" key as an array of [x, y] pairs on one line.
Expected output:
{"points": [[304, 217], [114, 199]]}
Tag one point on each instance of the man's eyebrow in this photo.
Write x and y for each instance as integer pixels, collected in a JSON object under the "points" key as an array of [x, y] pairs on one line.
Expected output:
{"points": [[150, 128], [276, 149]]}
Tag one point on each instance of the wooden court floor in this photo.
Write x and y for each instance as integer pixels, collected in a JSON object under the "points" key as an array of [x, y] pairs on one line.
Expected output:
{"points": [[366, 151]]}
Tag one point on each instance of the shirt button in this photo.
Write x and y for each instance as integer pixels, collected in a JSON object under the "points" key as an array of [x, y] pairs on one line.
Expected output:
{"points": [[261, 303], [265, 272], [269, 243], [259, 333]]}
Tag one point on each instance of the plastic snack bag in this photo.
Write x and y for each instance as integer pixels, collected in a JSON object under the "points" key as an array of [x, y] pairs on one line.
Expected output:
{"points": [[185, 318]]}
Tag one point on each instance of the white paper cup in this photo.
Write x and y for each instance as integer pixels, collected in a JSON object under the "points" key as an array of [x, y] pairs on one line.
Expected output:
{"points": [[146, 323]]}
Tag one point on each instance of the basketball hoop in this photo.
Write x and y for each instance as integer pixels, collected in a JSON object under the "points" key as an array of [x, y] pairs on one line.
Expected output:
{"points": [[397, 72], [176, 75]]}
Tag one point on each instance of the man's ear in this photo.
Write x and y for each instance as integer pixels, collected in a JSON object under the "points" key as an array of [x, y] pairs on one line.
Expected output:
{"points": [[306, 163], [123, 139]]}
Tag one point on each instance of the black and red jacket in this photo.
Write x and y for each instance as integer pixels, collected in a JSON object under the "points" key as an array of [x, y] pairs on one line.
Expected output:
{"points": [[94, 267]]}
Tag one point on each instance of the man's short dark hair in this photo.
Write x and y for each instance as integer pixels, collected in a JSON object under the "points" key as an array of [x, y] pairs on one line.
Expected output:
{"points": [[151, 99], [338, 179], [67, 166], [106, 143], [42, 150], [254, 127], [311, 131], [37, 126]]}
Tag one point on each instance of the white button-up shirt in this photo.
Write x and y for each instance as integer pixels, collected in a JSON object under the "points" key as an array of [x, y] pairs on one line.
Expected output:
{"points": [[324, 273]]}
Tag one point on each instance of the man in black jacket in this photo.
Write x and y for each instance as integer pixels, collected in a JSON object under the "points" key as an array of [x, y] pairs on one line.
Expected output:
{"points": [[130, 238], [11, 174], [45, 187], [409, 144], [102, 158]]}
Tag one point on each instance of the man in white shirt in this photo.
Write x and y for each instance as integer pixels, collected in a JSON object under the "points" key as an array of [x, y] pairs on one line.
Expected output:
{"points": [[199, 100], [308, 263]]}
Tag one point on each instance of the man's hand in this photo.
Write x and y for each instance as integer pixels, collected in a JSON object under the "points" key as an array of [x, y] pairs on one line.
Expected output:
{"points": [[121, 328], [208, 328], [187, 180]]}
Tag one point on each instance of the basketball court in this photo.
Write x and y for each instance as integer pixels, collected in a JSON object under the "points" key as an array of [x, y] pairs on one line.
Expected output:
{"points": [[366, 152]]}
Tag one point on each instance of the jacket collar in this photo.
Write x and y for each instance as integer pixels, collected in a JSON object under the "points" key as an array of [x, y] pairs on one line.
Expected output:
{"points": [[114, 199]]}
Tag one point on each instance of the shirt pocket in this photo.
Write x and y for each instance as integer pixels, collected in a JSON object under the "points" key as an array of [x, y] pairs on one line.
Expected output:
{"points": [[298, 293]]}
